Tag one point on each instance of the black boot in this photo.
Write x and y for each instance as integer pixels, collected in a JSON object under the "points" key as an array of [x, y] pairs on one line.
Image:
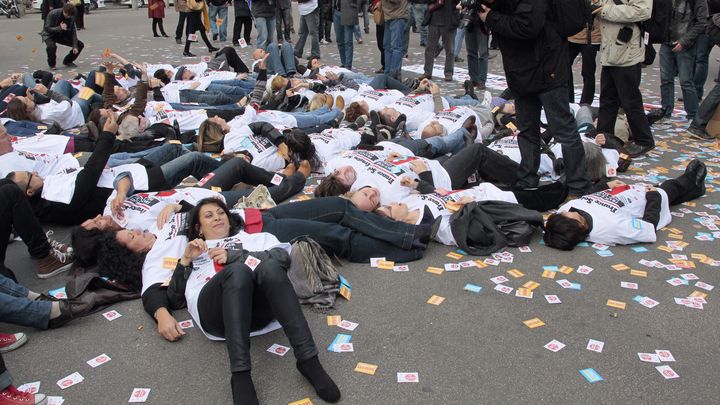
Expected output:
{"points": [[324, 385], [243, 389], [470, 89]]}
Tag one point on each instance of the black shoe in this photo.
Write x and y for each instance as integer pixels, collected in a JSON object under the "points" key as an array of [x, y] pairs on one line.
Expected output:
{"points": [[380, 70], [156, 36], [71, 309], [624, 163], [70, 65], [215, 37], [401, 131], [699, 133], [374, 119], [656, 114], [178, 41], [367, 30], [189, 54], [212, 49], [634, 150], [470, 89], [165, 35], [697, 172]]}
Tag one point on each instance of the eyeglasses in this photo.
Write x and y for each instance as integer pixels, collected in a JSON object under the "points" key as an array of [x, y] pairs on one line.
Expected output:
{"points": [[27, 186]]}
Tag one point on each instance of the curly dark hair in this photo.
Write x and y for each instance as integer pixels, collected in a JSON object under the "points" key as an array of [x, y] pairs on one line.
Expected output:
{"points": [[302, 148], [330, 186], [193, 218], [119, 263], [86, 244]]}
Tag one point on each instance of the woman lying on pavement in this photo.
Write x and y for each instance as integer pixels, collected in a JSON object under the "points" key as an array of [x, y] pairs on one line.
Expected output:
{"points": [[228, 293], [623, 214]]}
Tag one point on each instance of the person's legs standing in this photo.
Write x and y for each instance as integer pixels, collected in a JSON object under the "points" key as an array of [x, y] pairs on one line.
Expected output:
{"points": [[180, 26], [303, 32], [609, 101], [395, 28], [448, 38], [562, 125], [313, 21], [686, 69], [261, 25], [627, 80], [340, 37], [213, 15], [573, 51], [708, 106], [380, 40], [477, 53], [589, 67], [668, 69], [704, 45], [247, 31], [459, 36], [528, 120], [431, 49], [418, 11], [51, 50], [348, 32], [222, 15]]}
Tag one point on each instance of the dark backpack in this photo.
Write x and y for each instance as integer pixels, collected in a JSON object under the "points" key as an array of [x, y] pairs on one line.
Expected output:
{"points": [[570, 16], [658, 26]]}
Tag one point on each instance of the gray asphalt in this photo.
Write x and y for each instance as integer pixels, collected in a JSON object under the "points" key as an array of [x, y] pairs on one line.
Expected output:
{"points": [[473, 348]]}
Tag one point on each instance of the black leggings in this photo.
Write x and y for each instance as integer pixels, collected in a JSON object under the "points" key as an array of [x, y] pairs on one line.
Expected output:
{"points": [[242, 26], [238, 300], [158, 22], [15, 211]]}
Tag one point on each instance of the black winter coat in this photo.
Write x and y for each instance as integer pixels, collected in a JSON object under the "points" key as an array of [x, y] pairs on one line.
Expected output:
{"points": [[534, 54], [262, 8]]}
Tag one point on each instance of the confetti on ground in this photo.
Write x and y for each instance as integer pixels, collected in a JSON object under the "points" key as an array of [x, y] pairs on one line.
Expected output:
{"points": [[366, 368], [534, 323]]}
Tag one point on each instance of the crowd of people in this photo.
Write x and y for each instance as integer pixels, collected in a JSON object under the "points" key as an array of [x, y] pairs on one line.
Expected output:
{"points": [[400, 165]]}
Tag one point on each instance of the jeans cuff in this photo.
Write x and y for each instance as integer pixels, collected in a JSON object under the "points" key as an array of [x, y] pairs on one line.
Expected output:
{"points": [[5, 380]]}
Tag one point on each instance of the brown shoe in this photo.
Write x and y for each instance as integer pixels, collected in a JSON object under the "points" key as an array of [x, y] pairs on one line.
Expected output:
{"points": [[329, 101], [340, 103], [53, 264], [448, 78], [479, 85]]}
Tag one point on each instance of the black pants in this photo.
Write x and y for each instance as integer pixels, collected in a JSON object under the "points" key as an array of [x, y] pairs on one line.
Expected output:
{"points": [[435, 34], [51, 48], [5, 377], [238, 300], [195, 24], [181, 25], [15, 211], [564, 129], [680, 190], [619, 87], [242, 24], [379, 38], [283, 22], [233, 59], [589, 54], [80, 16], [158, 22], [490, 165], [325, 27]]}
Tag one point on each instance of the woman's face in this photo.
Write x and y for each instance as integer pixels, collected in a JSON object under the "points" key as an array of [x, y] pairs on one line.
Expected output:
{"points": [[366, 199], [220, 121], [346, 175], [213, 222], [396, 211], [101, 222], [136, 240]]}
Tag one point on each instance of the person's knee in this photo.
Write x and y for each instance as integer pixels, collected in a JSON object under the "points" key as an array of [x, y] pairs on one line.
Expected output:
{"points": [[271, 272], [51, 46], [237, 275]]}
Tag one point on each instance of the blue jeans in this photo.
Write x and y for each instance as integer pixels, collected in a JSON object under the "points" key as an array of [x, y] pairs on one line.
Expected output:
{"points": [[683, 64], [266, 31], [66, 89], [708, 106], [309, 26], [221, 12], [358, 77], [703, 45], [281, 62], [158, 155], [322, 115], [450, 143], [18, 309], [384, 81], [232, 87], [206, 97], [477, 53], [194, 164], [461, 101], [418, 13], [459, 35], [344, 39], [202, 106], [357, 32], [394, 44]]}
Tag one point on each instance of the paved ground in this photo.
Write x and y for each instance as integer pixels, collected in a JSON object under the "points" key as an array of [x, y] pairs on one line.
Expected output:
{"points": [[473, 348]]}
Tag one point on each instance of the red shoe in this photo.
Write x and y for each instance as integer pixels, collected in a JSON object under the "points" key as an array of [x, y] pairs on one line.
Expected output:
{"points": [[9, 343], [11, 396]]}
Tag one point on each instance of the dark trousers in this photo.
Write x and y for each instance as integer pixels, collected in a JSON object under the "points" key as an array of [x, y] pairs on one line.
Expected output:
{"points": [[283, 23], [338, 210], [325, 27], [562, 125], [589, 54], [619, 87], [379, 38], [490, 165], [447, 34], [707, 107], [181, 25], [5, 377], [384, 81], [337, 240], [242, 27], [238, 300], [51, 48], [15, 211], [681, 189], [233, 59], [158, 22], [195, 20], [80, 16]]}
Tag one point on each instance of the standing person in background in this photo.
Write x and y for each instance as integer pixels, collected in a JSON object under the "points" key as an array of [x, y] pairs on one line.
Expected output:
{"points": [[49, 5], [459, 37], [379, 18], [442, 23], [309, 25], [284, 19], [243, 22], [326, 20], [621, 60], [345, 18], [195, 24], [156, 11], [587, 44], [218, 13], [60, 29], [416, 11], [182, 9], [476, 43], [395, 13], [80, 17], [264, 13]]}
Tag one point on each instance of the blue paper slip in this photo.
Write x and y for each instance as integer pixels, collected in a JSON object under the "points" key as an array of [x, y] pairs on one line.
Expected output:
{"points": [[604, 253], [339, 339], [472, 288], [640, 249], [591, 375]]}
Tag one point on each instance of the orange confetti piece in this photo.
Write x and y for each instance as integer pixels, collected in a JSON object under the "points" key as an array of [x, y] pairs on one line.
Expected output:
{"points": [[19, 37]]}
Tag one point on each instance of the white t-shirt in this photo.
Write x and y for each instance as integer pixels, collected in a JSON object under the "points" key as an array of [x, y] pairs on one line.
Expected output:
{"points": [[617, 215], [205, 268], [42, 144], [162, 112], [44, 165], [416, 107], [611, 155], [60, 187], [331, 142], [278, 119], [376, 99], [67, 114], [508, 146], [140, 211], [438, 205], [264, 152], [171, 91], [307, 7], [451, 119]]}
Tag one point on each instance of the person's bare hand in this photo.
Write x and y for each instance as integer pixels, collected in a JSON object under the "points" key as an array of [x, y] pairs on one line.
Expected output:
{"points": [[111, 124], [40, 88], [483, 12], [615, 183], [194, 249], [75, 51], [406, 181], [678, 47], [109, 66], [155, 83], [283, 152], [63, 26], [116, 205], [168, 327], [600, 139], [263, 61], [166, 214], [418, 166], [219, 255]]}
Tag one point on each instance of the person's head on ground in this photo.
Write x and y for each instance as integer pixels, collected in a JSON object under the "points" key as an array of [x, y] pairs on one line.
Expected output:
{"points": [[258, 53], [213, 128], [300, 147], [164, 75], [30, 182], [121, 254], [337, 183], [314, 63], [565, 230], [366, 199], [21, 109], [388, 115], [434, 128], [356, 109], [184, 73], [211, 219]]}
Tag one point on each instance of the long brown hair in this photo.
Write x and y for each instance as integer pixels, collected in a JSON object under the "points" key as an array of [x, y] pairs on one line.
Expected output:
{"points": [[17, 110]]}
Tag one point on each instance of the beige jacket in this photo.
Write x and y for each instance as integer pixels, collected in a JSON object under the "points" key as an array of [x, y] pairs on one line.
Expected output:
{"points": [[612, 19], [181, 6]]}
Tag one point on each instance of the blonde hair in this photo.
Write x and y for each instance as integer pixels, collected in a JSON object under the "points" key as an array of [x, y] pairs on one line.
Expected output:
{"points": [[278, 82]]}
